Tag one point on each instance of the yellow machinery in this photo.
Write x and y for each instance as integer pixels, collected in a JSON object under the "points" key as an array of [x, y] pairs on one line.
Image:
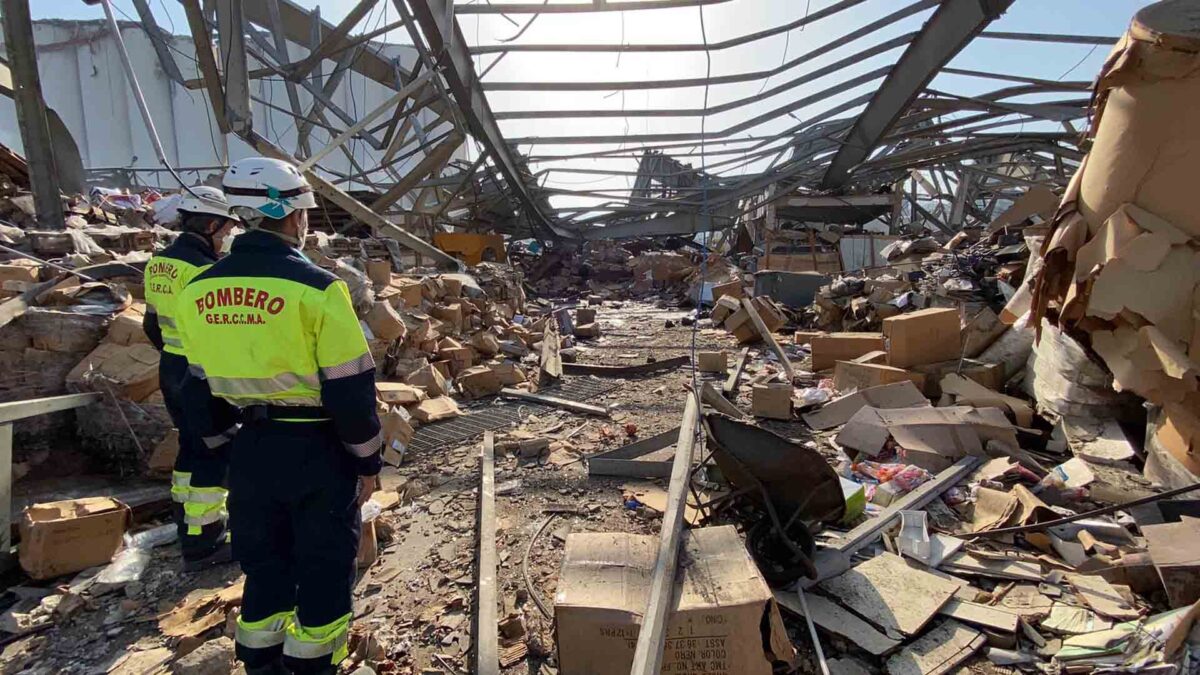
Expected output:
{"points": [[471, 248]]}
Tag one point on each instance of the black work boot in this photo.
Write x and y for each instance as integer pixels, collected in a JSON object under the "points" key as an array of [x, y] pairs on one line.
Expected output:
{"points": [[273, 668], [221, 555]]}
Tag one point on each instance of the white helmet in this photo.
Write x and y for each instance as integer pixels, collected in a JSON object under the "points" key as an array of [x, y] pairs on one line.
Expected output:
{"points": [[205, 199], [270, 187]]}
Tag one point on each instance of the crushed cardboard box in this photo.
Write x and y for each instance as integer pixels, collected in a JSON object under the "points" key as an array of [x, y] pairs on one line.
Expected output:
{"points": [[724, 620], [68, 536]]}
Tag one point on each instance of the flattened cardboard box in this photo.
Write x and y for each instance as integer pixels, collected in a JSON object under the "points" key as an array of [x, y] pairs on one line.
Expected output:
{"points": [[720, 608], [63, 537]]}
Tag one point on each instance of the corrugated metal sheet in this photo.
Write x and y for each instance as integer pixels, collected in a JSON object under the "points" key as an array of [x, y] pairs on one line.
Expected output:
{"points": [[862, 250]]}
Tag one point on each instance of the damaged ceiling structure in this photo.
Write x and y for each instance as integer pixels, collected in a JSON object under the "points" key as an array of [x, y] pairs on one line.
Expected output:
{"points": [[866, 144]]}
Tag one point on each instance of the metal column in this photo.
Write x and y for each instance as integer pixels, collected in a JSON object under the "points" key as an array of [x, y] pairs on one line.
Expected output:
{"points": [[31, 114]]}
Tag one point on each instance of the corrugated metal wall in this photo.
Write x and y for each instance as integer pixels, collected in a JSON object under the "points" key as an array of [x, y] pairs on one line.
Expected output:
{"points": [[82, 79]]}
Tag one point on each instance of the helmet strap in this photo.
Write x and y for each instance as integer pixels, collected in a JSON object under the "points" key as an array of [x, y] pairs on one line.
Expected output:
{"points": [[294, 241]]}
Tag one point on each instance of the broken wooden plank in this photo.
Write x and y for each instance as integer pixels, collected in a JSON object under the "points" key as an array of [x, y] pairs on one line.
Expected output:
{"points": [[731, 384], [624, 371], [769, 339], [566, 404], [550, 366], [710, 396], [899, 597], [833, 618], [487, 639], [624, 460], [648, 654]]}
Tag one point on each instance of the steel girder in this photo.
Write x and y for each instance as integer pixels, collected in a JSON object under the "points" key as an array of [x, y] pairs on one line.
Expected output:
{"points": [[447, 43], [951, 27]]}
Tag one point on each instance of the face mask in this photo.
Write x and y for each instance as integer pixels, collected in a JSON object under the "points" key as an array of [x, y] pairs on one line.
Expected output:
{"points": [[226, 244]]}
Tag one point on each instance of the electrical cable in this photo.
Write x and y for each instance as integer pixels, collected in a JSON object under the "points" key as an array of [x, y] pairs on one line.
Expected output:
{"points": [[137, 96]]}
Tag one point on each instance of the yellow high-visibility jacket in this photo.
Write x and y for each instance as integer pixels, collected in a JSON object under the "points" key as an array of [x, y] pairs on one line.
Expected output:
{"points": [[264, 326], [166, 275]]}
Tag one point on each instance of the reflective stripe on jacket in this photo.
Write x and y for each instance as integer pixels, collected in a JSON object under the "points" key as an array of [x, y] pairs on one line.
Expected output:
{"points": [[266, 326]]}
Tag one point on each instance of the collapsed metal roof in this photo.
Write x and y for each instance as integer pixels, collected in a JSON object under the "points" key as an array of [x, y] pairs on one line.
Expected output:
{"points": [[873, 104]]}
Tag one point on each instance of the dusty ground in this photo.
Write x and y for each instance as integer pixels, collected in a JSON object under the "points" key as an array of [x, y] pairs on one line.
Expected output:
{"points": [[415, 601]]}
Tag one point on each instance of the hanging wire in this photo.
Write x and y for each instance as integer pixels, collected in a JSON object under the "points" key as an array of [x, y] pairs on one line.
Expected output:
{"points": [[137, 96]]}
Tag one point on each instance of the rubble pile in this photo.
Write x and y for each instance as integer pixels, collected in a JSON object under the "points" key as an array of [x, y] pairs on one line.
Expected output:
{"points": [[922, 273], [629, 270]]}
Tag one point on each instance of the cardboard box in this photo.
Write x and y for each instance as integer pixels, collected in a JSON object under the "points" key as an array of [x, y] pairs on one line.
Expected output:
{"points": [[131, 370], [397, 434], [443, 368], [839, 411], [408, 292], [833, 347], [435, 409], [804, 337], [732, 289], [990, 375], [459, 358], [724, 620], [384, 322], [712, 362], [585, 315], [20, 272], [723, 307], [452, 286], [851, 376], [451, 313], [430, 379], [478, 381], [508, 372], [485, 343], [1175, 548], [738, 318], [939, 436], [162, 459], [773, 401], [126, 327], [380, 272], [368, 545], [923, 336], [397, 393], [64, 537], [769, 312], [432, 288]]}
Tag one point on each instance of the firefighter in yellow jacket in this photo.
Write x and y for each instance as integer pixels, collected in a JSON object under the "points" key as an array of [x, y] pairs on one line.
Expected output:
{"points": [[276, 341], [197, 483]]}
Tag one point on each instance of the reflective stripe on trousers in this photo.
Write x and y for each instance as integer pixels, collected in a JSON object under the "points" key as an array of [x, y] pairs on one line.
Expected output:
{"points": [[204, 506], [265, 633], [330, 640], [181, 483]]}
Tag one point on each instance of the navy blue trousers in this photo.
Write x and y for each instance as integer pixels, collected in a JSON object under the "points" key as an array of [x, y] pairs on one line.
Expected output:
{"points": [[206, 468], [293, 507]]}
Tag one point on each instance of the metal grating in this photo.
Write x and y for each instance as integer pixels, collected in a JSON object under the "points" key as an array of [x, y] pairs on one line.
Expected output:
{"points": [[491, 414]]}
